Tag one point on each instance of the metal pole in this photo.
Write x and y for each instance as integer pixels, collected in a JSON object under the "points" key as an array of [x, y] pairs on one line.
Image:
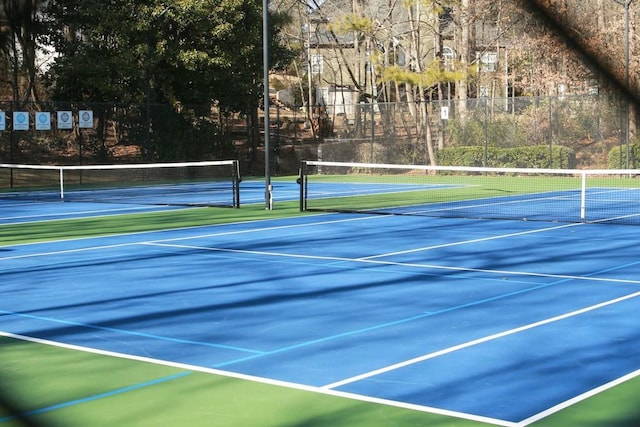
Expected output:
{"points": [[583, 198], [268, 191], [61, 183], [485, 162], [626, 4], [626, 59], [309, 79], [147, 98]]}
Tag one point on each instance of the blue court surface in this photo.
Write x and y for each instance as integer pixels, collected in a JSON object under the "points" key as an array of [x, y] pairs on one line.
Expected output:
{"points": [[25, 211], [28, 206], [253, 190], [19, 207], [497, 321]]}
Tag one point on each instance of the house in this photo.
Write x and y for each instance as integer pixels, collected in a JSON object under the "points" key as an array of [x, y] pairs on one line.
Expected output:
{"points": [[347, 47]]}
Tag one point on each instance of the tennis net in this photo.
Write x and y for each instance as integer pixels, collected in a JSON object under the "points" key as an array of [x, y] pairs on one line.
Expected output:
{"points": [[472, 192], [211, 183]]}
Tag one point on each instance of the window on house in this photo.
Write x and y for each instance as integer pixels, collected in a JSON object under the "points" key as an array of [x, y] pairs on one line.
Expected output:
{"points": [[447, 57], [488, 62], [447, 53], [317, 64]]}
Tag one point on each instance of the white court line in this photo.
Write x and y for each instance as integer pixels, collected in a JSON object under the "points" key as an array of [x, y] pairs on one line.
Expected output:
{"points": [[372, 261], [329, 388], [68, 251], [134, 233], [579, 398], [464, 242], [268, 381], [74, 215], [478, 341], [199, 236], [392, 263], [272, 228], [495, 201]]}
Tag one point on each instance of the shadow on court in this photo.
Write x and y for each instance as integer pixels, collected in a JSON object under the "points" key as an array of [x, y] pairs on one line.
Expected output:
{"points": [[15, 412]]}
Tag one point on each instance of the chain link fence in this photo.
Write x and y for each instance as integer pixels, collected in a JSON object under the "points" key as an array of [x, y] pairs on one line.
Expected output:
{"points": [[592, 128], [119, 133]]}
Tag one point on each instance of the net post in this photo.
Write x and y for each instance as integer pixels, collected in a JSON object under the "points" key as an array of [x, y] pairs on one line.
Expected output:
{"points": [[61, 183], [301, 182], [268, 196], [236, 183], [583, 197]]}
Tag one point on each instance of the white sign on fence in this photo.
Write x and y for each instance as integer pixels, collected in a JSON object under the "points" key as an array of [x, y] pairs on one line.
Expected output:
{"points": [[444, 113], [43, 120], [20, 120], [65, 120], [85, 119]]}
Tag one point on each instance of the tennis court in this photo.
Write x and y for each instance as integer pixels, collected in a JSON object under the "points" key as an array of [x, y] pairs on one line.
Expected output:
{"points": [[495, 322]]}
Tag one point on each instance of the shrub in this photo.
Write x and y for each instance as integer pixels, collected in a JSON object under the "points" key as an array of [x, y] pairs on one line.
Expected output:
{"points": [[537, 156], [618, 156]]}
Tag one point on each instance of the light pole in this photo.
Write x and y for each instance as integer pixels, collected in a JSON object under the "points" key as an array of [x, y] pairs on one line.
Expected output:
{"points": [[626, 4], [268, 189]]}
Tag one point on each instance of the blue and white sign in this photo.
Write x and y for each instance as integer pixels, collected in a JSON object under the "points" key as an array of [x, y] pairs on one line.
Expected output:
{"points": [[20, 120], [65, 120], [43, 120], [85, 119], [3, 120]]}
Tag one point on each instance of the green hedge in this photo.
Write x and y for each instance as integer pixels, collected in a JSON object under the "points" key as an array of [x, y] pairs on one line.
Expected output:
{"points": [[618, 157], [537, 156]]}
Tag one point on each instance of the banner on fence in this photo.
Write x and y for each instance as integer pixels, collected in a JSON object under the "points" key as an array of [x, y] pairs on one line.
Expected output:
{"points": [[20, 120], [65, 120], [43, 120], [85, 119]]}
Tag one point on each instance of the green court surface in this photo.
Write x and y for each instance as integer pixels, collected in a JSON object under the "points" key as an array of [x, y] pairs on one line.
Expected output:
{"points": [[95, 389], [74, 388], [48, 385]]}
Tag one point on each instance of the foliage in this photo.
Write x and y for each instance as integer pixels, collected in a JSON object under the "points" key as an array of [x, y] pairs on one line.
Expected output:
{"points": [[205, 140], [432, 75], [468, 156], [537, 156], [496, 130], [589, 125], [353, 22], [100, 51], [188, 53], [618, 156]]}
